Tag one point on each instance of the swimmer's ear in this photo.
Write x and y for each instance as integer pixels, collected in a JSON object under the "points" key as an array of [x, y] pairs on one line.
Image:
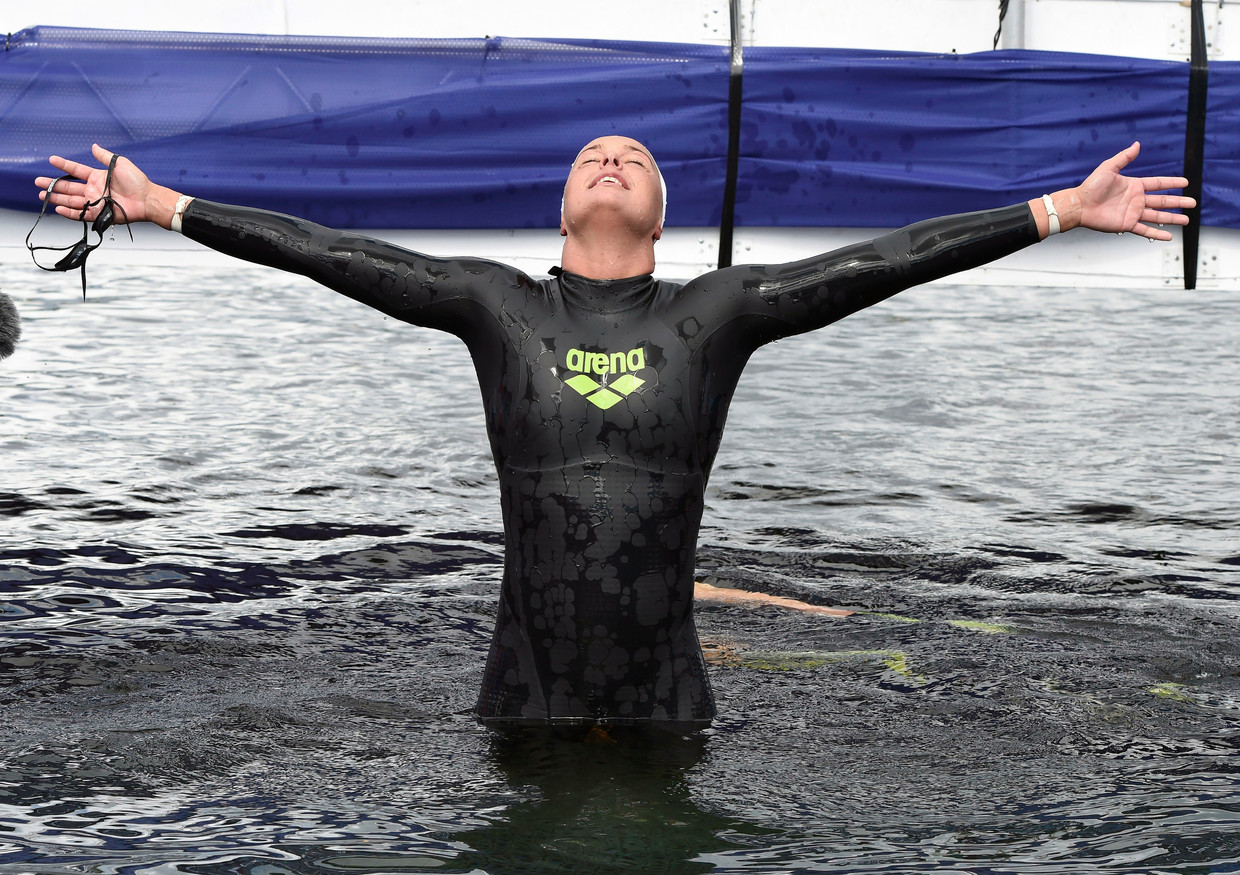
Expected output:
{"points": [[563, 229], [658, 232]]}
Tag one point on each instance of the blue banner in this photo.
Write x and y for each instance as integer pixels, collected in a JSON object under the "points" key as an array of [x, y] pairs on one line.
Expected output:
{"points": [[364, 133], [869, 138], [479, 133]]}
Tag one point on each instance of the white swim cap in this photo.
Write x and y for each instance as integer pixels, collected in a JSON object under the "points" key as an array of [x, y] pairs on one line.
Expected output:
{"points": [[662, 185]]}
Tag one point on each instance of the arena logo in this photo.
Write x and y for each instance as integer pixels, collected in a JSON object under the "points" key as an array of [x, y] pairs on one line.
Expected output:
{"points": [[616, 374]]}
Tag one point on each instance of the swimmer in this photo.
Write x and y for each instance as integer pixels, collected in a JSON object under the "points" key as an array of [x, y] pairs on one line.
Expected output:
{"points": [[606, 390]]}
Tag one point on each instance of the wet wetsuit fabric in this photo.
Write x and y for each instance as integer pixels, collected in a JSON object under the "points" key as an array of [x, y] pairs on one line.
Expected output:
{"points": [[605, 404]]}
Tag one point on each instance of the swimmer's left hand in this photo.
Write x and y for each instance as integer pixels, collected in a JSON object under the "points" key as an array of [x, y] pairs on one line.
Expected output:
{"points": [[1109, 201]]}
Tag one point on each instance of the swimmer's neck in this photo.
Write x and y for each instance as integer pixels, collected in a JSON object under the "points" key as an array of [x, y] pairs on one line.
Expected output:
{"points": [[610, 257]]}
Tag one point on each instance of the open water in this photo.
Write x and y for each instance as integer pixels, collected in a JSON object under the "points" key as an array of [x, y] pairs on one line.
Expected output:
{"points": [[250, 553]]}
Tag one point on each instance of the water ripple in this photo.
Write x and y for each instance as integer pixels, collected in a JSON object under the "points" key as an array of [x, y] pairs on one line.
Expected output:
{"points": [[248, 580]]}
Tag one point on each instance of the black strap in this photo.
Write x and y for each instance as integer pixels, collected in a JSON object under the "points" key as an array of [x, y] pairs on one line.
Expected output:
{"points": [[1194, 142], [1003, 11], [728, 216], [77, 253]]}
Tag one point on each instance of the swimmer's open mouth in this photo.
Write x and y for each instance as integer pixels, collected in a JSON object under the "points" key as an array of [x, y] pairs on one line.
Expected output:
{"points": [[609, 179]]}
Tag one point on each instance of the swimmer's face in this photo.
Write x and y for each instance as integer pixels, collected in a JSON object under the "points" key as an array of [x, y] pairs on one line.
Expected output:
{"points": [[615, 177]]}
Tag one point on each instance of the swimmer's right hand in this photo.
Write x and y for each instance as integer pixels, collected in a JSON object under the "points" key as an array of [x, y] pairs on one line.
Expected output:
{"points": [[140, 199]]}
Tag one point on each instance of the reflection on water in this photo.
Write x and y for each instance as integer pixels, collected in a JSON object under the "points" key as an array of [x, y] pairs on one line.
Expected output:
{"points": [[247, 582], [608, 804]]}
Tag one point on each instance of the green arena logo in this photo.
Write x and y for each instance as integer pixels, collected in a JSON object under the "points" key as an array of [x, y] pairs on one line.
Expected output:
{"points": [[616, 373]]}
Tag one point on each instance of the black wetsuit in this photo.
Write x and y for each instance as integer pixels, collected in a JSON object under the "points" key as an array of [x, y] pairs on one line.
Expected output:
{"points": [[605, 403]]}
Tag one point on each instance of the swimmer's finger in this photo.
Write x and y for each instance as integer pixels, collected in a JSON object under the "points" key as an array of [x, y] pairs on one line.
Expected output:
{"points": [[68, 205], [1169, 202], [42, 182], [1163, 183], [63, 192], [73, 168], [61, 164], [1143, 230], [75, 213], [102, 155], [1158, 217], [76, 206], [59, 186], [1122, 159]]}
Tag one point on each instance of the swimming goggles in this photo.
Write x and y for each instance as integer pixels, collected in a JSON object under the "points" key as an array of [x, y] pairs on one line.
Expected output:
{"points": [[77, 253]]}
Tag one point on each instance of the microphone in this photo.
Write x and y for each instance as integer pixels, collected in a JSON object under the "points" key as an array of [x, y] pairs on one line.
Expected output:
{"points": [[10, 326]]}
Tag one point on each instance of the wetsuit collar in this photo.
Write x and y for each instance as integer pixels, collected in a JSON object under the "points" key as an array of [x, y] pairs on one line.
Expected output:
{"points": [[606, 295]]}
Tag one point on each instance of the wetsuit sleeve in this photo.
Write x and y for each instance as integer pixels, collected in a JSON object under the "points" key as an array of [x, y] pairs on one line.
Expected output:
{"points": [[420, 289], [803, 295]]}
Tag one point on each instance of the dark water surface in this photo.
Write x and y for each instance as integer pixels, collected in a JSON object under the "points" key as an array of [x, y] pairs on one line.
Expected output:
{"points": [[249, 558]]}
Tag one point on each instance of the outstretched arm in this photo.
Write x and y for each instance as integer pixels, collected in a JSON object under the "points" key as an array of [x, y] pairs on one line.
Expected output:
{"points": [[1110, 201], [802, 296], [408, 285]]}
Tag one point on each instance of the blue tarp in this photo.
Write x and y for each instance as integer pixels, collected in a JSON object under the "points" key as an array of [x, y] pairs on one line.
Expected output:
{"points": [[830, 134], [479, 133]]}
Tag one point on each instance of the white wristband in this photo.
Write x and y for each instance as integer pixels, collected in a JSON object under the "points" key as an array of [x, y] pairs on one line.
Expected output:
{"points": [[183, 201], [1051, 214]]}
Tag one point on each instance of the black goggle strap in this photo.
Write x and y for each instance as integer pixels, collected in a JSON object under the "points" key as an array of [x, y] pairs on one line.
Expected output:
{"points": [[76, 253], [106, 216]]}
